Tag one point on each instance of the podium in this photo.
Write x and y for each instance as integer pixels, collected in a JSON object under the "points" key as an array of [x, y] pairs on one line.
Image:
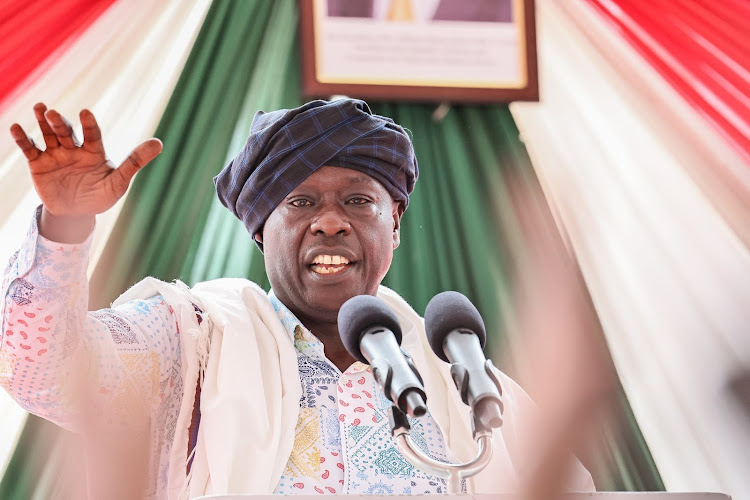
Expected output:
{"points": [[500, 496]]}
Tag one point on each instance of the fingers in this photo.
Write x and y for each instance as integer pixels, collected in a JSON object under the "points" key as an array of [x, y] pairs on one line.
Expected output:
{"points": [[50, 139], [29, 149], [62, 129], [92, 135], [139, 158]]}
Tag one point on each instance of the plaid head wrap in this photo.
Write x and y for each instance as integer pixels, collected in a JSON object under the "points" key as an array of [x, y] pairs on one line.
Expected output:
{"points": [[286, 146]]}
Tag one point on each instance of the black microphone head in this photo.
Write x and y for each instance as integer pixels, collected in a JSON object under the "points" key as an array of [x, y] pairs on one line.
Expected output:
{"points": [[448, 311], [360, 313]]}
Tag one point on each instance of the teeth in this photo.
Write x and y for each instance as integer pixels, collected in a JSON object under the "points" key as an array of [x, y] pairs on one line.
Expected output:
{"points": [[328, 260], [329, 264], [327, 269]]}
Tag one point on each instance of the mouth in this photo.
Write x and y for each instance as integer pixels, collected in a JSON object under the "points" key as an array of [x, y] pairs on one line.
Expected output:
{"points": [[329, 264]]}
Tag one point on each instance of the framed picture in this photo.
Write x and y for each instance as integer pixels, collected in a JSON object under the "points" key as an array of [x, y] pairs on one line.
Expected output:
{"points": [[420, 50]]}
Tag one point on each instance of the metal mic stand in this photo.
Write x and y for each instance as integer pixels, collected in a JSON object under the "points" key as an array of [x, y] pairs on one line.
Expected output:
{"points": [[452, 473], [486, 413]]}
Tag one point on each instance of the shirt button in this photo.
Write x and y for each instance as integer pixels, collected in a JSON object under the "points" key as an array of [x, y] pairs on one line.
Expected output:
{"points": [[350, 442]]}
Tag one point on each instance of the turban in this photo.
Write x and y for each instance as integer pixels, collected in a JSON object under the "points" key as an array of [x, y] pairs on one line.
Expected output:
{"points": [[286, 146]]}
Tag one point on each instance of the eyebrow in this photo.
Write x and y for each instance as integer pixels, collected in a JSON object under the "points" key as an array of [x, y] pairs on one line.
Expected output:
{"points": [[359, 179]]}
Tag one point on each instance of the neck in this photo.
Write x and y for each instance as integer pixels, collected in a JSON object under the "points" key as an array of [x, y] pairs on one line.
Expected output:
{"points": [[328, 333]]}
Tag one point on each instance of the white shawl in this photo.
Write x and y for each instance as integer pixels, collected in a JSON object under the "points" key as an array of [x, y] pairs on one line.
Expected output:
{"points": [[251, 390]]}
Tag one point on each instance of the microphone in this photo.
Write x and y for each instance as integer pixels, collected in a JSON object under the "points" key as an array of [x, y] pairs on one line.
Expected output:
{"points": [[456, 334], [372, 334]]}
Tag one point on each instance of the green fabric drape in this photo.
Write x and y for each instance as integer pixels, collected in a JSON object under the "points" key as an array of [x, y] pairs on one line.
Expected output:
{"points": [[36, 470], [172, 196], [454, 235]]}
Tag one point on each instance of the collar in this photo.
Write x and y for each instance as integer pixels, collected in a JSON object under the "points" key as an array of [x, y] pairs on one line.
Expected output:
{"points": [[304, 340]]}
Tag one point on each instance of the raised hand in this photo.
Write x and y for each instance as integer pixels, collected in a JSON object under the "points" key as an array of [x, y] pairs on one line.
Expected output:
{"points": [[76, 181], [566, 365]]}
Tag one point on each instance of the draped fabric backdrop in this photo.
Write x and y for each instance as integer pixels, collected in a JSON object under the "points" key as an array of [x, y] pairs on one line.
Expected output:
{"points": [[642, 155], [649, 188], [700, 48], [690, 61], [23, 55]]}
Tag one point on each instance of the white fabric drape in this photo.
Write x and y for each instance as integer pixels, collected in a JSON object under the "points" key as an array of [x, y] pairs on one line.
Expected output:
{"points": [[636, 177], [124, 68]]}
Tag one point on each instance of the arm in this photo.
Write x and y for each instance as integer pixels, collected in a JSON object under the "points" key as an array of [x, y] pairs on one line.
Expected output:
{"points": [[58, 361]]}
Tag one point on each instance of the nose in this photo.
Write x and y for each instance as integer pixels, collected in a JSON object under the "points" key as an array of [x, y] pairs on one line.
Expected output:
{"points": [[330, 221]]}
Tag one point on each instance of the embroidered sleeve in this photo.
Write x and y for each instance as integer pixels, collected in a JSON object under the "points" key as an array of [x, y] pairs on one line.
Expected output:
{"points": [[66, 364]]}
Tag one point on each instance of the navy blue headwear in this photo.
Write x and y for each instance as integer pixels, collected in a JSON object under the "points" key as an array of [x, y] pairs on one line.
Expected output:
{"points": [[286, 146]]}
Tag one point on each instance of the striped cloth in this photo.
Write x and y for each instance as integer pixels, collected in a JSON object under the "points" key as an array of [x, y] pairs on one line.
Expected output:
{"points": [[286, 146]]}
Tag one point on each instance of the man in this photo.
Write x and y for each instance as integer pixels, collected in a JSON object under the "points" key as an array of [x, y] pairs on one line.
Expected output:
{"points": [[239, 391]]}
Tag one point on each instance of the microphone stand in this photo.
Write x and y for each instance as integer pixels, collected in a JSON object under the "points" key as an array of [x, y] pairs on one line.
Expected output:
{"points": [[452, 473]]}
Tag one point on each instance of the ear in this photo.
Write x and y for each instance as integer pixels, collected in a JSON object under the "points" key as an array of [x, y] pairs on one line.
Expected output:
{"points": [[259, 237], [398, 211]]}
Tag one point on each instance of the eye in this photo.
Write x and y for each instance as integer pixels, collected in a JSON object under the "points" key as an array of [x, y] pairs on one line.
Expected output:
{"points": [[300, 202], [357, 200]]}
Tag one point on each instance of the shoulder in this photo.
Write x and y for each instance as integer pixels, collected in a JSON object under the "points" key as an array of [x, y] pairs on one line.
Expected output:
{"points": [[207, 296], [399, 306], [230, 289], [232, 285]]}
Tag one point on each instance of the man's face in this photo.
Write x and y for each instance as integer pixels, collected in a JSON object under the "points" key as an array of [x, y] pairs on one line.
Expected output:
{"points": [[330, 239]]}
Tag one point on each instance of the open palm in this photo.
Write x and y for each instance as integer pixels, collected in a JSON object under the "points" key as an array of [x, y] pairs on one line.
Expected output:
{"points": [[74, 179]]}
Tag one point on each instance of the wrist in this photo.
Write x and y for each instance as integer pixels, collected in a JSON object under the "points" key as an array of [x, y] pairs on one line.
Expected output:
{"points": [[65, 228]]}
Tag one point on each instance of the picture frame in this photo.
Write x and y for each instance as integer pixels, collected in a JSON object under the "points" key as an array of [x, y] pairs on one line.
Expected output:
{"points": [[441, 51]]}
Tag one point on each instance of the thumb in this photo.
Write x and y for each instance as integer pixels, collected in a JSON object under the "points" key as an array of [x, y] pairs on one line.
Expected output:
{"points": [[138, 158]]}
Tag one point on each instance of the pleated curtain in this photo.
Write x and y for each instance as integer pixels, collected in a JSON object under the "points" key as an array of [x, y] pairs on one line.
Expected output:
{"points": [[653, 193]]}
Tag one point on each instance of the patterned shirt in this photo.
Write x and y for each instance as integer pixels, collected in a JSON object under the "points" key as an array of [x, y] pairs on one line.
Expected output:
{"points": [[132, 353], [343, 442], [122, 366]]}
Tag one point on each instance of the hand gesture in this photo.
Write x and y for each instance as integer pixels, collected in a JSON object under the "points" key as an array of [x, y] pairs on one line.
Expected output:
{"points": [[77, 180]]}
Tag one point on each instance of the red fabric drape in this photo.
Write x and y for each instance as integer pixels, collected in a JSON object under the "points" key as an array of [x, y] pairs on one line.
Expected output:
{"points": [[701, 47], [32, 32]]}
